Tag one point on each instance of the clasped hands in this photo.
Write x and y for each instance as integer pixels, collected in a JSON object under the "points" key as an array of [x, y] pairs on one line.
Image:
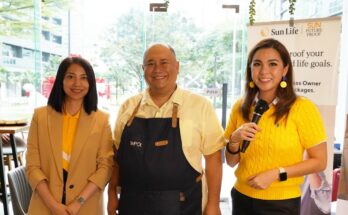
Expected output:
{"points": [[61, 209]]}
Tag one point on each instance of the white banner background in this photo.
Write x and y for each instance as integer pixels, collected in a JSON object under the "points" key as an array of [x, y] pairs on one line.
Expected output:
{"points": [[314, 48]]}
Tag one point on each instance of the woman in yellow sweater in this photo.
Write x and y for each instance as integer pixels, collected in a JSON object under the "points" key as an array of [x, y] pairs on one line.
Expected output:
{"points": [[271, 169]]}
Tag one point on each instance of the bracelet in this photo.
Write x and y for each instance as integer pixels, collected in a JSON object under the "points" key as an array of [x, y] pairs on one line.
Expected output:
{"points": [[229, 151]]}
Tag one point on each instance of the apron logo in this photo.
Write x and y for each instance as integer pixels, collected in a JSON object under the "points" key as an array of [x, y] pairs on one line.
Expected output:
{"points": [[136, 144]]}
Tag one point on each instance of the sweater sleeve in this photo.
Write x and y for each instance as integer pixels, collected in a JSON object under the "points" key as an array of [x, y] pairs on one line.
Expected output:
{"points": [[310, 126]]}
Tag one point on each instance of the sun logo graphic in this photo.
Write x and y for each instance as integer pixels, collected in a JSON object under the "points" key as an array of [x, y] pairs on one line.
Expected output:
{"points": [[264, 32]]}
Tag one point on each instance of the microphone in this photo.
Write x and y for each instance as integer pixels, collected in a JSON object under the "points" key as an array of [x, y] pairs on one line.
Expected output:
{"points": [[261, 107]]}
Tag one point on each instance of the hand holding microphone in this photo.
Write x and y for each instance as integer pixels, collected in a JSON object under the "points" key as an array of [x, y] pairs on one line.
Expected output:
{"points": [[261, 107]]}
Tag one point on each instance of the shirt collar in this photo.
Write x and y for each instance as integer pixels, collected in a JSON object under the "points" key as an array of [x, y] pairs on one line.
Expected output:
{"points": [[177, 97], [274, 102], [76, 116]]}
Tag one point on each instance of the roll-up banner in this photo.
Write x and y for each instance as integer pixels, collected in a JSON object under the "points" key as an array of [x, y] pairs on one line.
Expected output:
{"points": [[314, 48]]}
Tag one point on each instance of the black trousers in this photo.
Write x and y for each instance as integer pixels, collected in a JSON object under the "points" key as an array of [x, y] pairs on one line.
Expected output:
{"points": [[244, 205]]}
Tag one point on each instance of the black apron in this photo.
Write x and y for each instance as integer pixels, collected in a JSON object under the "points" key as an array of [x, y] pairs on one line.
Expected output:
{"points": [[155, 176]]}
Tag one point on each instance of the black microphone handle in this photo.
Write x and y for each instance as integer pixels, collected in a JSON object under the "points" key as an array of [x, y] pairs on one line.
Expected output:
{"points": [[255, 119], [245, 145]]}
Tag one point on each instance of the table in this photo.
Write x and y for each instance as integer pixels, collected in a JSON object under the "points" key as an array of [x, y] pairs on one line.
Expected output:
{"points": [[11, 130]]}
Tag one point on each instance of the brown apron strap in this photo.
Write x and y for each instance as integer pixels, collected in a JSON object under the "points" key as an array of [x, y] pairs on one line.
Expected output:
{"points": [[175, 115], [133, 114]]}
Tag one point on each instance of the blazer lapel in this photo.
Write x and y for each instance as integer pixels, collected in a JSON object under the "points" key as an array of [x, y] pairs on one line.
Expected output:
{"points": [[55, 129], [83, 130]]}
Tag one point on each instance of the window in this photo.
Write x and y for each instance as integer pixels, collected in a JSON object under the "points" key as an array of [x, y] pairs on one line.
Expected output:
{"points": [[27, 53], [6, 49], [335, 7], [46, 35], [57, 39], [57, 21], [45, 56], [16, 51]]}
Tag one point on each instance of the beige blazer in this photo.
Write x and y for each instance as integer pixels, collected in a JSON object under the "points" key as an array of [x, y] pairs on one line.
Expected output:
{"points": [[91, 158]]}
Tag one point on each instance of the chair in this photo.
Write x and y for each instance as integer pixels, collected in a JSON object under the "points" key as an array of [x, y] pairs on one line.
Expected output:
{"points": [[20, 190], [7, 151]]}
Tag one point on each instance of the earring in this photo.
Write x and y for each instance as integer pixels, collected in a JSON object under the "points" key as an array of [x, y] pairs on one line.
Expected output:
{"points": [[283, 83], [251, 84]]}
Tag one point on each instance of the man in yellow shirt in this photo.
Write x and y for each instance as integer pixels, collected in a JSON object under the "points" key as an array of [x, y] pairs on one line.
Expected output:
{"points": [[161, 135]]}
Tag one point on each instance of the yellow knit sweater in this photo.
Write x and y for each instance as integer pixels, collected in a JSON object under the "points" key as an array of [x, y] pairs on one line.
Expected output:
{"points": [[277, 145]]}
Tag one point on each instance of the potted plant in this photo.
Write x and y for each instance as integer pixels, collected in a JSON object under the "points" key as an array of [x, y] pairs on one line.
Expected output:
{"points": [[252, 10]]}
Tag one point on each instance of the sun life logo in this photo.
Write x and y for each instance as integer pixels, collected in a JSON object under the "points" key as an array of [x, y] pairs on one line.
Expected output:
{"points": [[313, 29], [264, 32]]}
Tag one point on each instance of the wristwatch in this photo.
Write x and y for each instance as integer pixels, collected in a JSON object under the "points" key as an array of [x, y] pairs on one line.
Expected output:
{"points": [[81, 200], [282, 174]]}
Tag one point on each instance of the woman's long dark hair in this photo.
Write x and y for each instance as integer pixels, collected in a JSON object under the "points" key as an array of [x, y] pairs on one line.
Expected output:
{"points": [[286, 96], [57, 95]]}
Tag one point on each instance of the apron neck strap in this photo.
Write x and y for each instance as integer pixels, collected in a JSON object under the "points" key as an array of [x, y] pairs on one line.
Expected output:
{"points": [[175, 115], [133, 114]]}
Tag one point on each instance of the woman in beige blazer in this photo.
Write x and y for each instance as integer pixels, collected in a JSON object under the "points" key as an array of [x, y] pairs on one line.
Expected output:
{"points": [[72, 181]]}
